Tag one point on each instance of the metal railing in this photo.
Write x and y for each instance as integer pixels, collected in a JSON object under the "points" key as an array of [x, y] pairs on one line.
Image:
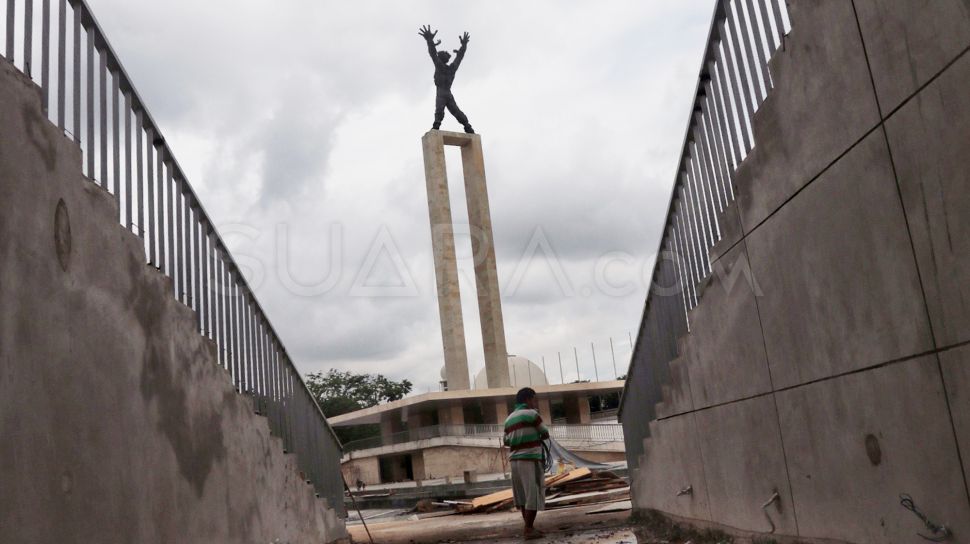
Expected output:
{"points": [[88, 94], [585, 433], [733, 82]]}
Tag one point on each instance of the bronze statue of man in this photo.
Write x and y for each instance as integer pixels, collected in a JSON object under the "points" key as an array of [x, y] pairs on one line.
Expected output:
{"points": [[444, 75]]}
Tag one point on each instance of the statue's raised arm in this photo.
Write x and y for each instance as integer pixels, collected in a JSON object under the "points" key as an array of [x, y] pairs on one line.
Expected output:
{"points": [[460, 52], [426, 33]]}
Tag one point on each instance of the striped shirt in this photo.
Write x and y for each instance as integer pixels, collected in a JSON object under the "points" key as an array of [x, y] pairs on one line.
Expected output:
{"points": [[524, 433]]}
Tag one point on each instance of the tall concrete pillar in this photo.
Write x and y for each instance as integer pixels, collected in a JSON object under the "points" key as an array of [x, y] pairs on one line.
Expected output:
{"points": [[446, 268], [545, 410]]}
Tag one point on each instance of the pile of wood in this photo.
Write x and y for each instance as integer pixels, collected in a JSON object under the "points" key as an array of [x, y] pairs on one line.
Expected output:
{"points": [[573, 488]]}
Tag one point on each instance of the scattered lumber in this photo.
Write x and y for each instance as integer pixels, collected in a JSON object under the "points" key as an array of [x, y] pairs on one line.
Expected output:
{"points": [[573, 488]]}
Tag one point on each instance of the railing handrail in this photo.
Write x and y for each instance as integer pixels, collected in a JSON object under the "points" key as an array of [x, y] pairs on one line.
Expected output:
{"points": [[610, 432]]}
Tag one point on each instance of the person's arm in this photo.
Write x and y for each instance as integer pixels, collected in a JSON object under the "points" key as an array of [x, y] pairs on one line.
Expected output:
{"points": [[460, 52], [541, 427], [428, 36]]}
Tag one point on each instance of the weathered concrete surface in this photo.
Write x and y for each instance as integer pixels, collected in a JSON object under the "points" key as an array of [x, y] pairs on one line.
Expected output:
{"points": [[956, 375], [453, 461], [839, 254], [118, 423], [727, 351], [744, 465], [486, 272], [856, 442], [366, 469], [677, 395], [822, 102], [673, 464], [933, 168], [445, 262], [909, 42]]}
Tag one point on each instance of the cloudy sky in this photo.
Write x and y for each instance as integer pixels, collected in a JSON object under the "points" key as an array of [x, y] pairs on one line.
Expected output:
{"points": [[299, 124]]}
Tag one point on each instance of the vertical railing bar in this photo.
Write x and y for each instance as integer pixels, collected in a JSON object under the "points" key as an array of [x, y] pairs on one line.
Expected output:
{"points": [[731, 82], [779, 24], [250, 340], [724, 97], [45, 53], [177, 258], [254, 344], [263, 365], [706, 180], [190, 280], [742, 25], [700, 182], [145, 203], [261, 348], [773, 41], [227, 313], [689, 235], [274, 409], [758, 35], [11, 16], [169, 216], [61, 63], [274, 386], [153, 199], [241, 340], [89, 38], [241, 318], [203, 254], [116, 140], [726, 143], [183, 290], [714, 130], [284, 406], [678, 248], [129, 221], [103, 111], [161, 198], [76, 90], [712, 155], [196, 265], [234, 328], [703, 230], [246, 335], [742, 73], [140, 204], [695, 199], [217, 310], [28, 37]]}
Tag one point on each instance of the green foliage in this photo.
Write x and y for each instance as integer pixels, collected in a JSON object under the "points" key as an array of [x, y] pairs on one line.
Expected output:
{"points": [[338, 392]]}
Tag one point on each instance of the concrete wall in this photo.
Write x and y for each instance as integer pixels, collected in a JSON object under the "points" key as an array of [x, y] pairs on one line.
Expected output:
{"points": [[367, 469], [453, 461], [839, 376], [118, 423]]}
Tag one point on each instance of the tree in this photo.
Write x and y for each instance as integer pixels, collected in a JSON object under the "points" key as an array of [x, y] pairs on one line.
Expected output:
{"points": [[338, 392]]}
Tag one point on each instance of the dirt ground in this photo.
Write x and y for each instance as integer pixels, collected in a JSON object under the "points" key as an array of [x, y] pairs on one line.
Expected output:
{"points": [[564, 525], [579, 524]]}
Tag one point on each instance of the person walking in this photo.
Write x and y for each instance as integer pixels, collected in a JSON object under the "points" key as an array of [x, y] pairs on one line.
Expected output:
{"points": [[524, 433]]}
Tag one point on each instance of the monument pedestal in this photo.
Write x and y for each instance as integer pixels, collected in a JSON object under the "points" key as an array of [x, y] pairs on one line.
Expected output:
{"points": [[445, 264]]}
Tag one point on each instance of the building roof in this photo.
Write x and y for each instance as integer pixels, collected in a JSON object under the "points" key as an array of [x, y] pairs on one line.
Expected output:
{"points": [[430, 401]]}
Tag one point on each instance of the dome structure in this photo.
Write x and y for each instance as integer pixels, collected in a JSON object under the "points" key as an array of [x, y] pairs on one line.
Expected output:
{"points": [[522, 373]]}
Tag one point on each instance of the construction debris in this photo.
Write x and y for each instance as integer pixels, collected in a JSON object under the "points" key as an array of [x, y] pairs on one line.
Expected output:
{"points": [[576, 487]]}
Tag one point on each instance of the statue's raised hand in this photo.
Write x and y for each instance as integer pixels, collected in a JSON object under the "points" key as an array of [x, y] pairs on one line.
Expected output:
{"points": [[464, 38], [425, 32]]}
